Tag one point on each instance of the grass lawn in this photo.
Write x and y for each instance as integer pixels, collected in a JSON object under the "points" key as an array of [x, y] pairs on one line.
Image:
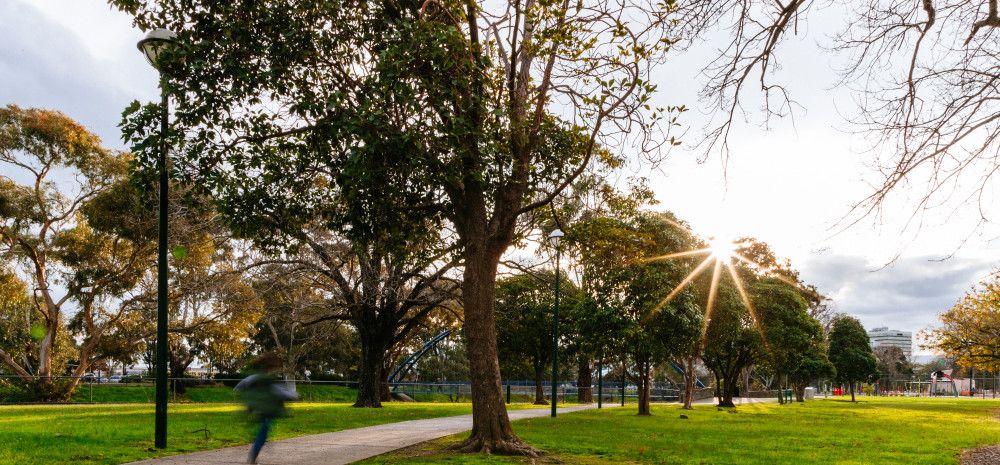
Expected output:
{"points": [[118, 433], [872, 431], [123, 393]]}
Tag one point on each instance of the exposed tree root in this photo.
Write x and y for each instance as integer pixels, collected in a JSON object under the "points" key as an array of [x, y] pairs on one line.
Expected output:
{"points": [[508, 446]]}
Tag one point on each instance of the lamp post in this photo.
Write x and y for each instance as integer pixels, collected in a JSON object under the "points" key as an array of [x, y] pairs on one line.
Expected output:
{"points": [[554, 239], [151, 46]]}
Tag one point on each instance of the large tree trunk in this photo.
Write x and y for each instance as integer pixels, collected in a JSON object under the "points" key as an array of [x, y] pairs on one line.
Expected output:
{"points": [[689, 378], [852, 390], [584, 380], [370, 371], [491, 429], [644, 388], [729, 383], [539, 388], [384, 392], [800, 392]]}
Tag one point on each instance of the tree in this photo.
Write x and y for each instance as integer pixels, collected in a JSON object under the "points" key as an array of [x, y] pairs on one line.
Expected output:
{"points": [[733, 341], [970, 330], [627, 305], [794, 339], [81, 266], [463, 93], [851, 353], [892, 365], [293, 325], [921, 73], [524, 307]]}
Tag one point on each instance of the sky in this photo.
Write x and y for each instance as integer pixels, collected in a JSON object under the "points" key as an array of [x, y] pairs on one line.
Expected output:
{"points": [[788, 185]]}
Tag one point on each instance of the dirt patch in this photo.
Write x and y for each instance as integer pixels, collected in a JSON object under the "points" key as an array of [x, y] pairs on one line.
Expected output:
{"points": [[989, 455]]}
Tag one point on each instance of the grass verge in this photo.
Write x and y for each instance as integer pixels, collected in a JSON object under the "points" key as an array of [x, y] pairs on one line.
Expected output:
{"points": [[874, 430], [119, 433]]}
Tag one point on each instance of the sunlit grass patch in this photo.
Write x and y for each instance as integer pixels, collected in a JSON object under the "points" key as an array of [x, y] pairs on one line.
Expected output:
{"points": [[874, 430]]}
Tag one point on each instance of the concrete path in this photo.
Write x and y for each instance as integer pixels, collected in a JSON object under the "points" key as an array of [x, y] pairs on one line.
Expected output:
{"points": [[346, 446], [738, 400]]}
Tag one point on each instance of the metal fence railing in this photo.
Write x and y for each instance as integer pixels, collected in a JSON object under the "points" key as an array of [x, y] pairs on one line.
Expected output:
{"points": [[140, 389]]}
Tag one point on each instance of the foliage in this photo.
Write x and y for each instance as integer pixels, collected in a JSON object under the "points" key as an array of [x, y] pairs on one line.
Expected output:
{"points": [[970, 330], [851, 352], [426, 99], [293, 326], [892, 364], [525, 304], [794, 340], [80, 267]]}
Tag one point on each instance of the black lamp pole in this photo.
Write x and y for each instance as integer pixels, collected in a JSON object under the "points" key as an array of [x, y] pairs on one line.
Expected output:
{"points": [[151, 46], [554, 238], [161, 283], [600, 381]]}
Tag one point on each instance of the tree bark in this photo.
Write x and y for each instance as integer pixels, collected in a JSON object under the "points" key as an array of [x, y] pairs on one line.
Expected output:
{"points": [[584, 380], [539, 389], [800, 392], [852, 390], [370, 371], [729, 383], [491, 429], [689, 378], [385, 393], [644, 390]]}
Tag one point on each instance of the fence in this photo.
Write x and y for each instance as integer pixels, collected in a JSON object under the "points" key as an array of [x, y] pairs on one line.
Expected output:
{"points": [[133, 389]]}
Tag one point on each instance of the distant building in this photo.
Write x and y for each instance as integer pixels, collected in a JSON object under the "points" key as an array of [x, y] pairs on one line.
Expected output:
{"points": [[892, 337]]}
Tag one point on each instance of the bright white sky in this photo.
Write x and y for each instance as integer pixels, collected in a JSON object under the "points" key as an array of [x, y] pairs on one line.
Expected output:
{"points": [[787, 186]]}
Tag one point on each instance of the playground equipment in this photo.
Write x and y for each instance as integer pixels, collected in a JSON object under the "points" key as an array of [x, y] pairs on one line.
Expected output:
{"points": [[935, 378], [400, 372], [678, 369]]}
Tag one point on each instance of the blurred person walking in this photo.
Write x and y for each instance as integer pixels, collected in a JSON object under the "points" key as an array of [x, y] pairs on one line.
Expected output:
{"points": [[265, 398]]}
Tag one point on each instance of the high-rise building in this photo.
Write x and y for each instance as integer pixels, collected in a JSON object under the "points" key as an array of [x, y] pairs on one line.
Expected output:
{"points": [[892, 337]]}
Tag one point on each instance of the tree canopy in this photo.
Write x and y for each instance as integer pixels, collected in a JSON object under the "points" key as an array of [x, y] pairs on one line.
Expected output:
{"points": [[851, 353]]}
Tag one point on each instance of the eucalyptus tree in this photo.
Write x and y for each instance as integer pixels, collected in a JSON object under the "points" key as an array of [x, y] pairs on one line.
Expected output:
{"points": [[447, 105], [81, 261]]}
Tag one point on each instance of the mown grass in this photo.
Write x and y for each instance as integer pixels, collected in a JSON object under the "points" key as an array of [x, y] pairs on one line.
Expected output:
{"points": [[117, 393], [119, 433], [872, 431]]}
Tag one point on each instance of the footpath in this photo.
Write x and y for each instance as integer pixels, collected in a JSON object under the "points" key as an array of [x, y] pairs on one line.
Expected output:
{"points": [[346, 446]]}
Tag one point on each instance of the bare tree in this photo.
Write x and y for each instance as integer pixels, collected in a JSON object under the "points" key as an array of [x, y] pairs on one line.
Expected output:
{"points": [[924, 74]]}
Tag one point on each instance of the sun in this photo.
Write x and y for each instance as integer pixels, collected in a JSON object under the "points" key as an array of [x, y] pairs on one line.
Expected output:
{"points": [[722, 249]]}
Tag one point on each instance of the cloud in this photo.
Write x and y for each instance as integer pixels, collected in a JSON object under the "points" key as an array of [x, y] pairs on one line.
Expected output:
{"points": [[43, 64], [907, 295]]}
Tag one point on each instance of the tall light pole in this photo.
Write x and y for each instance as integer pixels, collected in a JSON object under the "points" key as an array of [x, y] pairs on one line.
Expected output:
{"points": [[554, 239], [155, 42]]}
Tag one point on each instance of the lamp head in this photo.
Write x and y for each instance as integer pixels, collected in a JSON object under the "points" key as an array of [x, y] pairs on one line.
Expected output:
{"points": [[154, 43], [555, 236]]}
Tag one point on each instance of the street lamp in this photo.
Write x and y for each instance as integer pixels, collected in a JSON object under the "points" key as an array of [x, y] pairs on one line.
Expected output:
{"points": [[151, 46], [554, 239]]}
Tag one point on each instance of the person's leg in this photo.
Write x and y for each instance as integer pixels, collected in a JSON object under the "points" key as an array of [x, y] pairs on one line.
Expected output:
{"points": [[258, 443]]}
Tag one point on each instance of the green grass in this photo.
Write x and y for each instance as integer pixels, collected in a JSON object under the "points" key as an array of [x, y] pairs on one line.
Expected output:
{"points": [[112, 434], [874, 430], [116, 393]]}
